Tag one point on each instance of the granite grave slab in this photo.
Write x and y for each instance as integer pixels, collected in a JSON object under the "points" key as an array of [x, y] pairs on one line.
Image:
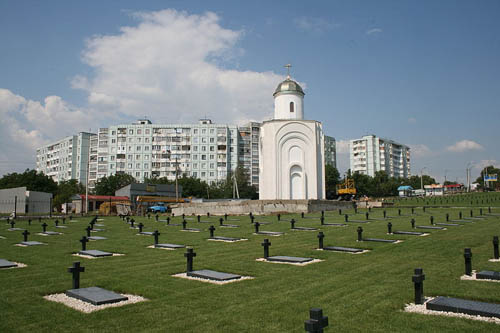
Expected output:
{"points": [[146, 233], [96, 253], [169, 246], [304, 228], [335, 224], [229, 226], [15, 229], [7, 264], [213, 275], [96, 295], [269, 233], [379, 240], [449, 224], [342, 249], [295, 260], [228, 239], [51, 233], [430, 227], [457, 305], [411, 233], [488, 275]]}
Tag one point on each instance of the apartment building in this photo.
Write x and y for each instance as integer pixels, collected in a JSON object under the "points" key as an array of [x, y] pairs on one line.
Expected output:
{"points": [[371, 154], [330, 151], [65, 159], [248, 150]]}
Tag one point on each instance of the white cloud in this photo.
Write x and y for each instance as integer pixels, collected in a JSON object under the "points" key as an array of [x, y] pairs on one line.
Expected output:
{"points": [[314, 24], [419, 150], [171, 67], [464, 145], [374, 31], [484, 163]]}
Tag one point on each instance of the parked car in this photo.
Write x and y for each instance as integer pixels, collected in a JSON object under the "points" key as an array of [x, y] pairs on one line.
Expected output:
{"points": [[160, 208]]}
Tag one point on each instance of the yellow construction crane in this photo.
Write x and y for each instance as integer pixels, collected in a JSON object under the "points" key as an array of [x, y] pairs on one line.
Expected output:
{"points": [[346, 190]]}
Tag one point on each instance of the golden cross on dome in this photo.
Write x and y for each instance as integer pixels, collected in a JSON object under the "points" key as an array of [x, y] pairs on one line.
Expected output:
{"points": [[288, 69]]}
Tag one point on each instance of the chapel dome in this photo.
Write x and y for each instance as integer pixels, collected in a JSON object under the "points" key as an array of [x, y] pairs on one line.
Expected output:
{"points": [[288, 86]]}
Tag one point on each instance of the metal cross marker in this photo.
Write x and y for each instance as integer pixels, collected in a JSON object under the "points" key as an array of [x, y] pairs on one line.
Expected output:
{"points": [[225, 216], [84, 241], [184, 224], [212, 229], [412, 223], [76, 269], [168, 220], [198, 218], [389, 228], [468, 261], [340, 211], [360, 234], [140, 225], [44, 227], [190, 254], [221, 221], [56, 222], [418, 280], [279, 217], [321, 235], [12, 223], [88, 230], [266, 245], [346, 218], [292, 222], [495, 247], [322, 219], [25, 234], [317, 321], [256, 225], [156, 234], [432, 220]]}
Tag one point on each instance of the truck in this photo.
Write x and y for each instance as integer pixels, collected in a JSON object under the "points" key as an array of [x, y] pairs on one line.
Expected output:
{"points": [[159, 208], [346, 190]]}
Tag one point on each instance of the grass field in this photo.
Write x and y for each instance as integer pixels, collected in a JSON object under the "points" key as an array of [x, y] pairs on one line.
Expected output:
{"points": [[358, 293]]}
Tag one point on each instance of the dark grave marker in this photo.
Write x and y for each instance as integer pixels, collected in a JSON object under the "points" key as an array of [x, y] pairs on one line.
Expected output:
{"points": [[468, 261], [96, 253], [457, 305], [156, 217], [317, 322], [25, 235], [279, 217], [88, 229], [44, 227], [418, 282], [140, 225], [320, 239], [211, 229], [29, 222], [389, 228], [156, 234], [495, 248], [360, 234], [432, 220], [96, 295], [412, 223], [488, 275], [75, 270], [190, 254], [266, 244], [7, 264], [84, 242]]}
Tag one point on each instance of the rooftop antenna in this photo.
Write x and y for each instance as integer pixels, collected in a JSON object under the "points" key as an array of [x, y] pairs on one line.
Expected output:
{"points": [[288, 70]]}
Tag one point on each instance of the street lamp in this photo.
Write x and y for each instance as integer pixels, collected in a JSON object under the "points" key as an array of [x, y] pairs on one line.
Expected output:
{"points": [[467, 174], [422, 178]]}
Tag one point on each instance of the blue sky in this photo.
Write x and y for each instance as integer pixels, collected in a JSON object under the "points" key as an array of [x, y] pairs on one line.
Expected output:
{"points": [[423, 73]]}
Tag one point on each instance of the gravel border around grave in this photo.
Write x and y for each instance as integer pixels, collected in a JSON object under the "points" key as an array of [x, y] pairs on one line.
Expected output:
{"points": [[364, 251], [184, 276], [494, 260], [290, 263], [85, 307], [22, 245], [186, 230], [272, 235], [421, 308], [90, 257], [227, 241], [19, 265], [45, 235], [473, 278]]}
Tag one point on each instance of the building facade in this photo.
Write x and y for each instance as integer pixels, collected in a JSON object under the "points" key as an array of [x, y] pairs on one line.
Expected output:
{"points": [[371, 154], [330, 151], [67, 158], [292, 160]]}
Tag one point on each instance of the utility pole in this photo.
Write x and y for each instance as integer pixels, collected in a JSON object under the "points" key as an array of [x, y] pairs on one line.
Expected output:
{"points": [[236, 193], [176, 182], [87, 181]]}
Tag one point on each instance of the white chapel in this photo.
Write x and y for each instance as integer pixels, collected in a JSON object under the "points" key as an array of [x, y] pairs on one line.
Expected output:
{"points": [[291, 154]]}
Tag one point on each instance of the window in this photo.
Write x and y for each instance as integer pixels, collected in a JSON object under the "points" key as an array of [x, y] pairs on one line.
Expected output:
{"points": [[212, 131], [212, 148], [113, 140], [146, 157], [212, 140], [131, 132], [130, 165], [146, 166], [203, 131], [137, 157], [211, 174], [113, 132], [203, 148], [204, 157], [203, 165], [139, 131], [195, 131], [203, 140], [195, 174], [147, 131], [137, 174], [138, 148], [212, 165], [138, 165], [146, 174], [203, 173], [195, 148], [129, 157]]}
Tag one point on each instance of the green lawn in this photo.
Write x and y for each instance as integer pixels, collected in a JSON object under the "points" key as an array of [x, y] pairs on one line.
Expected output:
{"points": [[358, 293]]}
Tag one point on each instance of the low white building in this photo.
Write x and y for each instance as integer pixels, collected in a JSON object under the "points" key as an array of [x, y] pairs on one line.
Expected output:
{"points": [[22, 201]]}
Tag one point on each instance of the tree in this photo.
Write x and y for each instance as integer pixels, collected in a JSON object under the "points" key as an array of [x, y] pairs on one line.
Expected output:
{"points": [[109, 185], [65, 190], [32, 180], [331, 180], [415, 181], [490, 170]]}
